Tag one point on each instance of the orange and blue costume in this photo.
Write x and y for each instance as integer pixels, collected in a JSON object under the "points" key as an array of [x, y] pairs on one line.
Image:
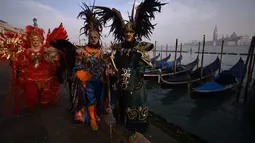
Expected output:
{"points": [[88, 96]]}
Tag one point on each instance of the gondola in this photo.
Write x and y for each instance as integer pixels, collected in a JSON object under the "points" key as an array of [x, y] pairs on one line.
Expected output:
{"points": [[195, 76], [163, 66], [154, 73], [180, 70], [155, 58], [225, 81], [162, 61]]}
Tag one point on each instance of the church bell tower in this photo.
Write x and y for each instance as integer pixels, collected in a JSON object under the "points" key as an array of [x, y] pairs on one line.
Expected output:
{"points": [[215, 35]]}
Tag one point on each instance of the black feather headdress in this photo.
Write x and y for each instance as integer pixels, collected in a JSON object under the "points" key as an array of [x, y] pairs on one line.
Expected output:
{"points": [[91, 20], [139, 21]]}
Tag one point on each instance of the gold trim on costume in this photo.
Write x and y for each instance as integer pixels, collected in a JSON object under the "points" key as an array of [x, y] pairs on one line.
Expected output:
{"points": [[112, 59], [139, 84], [140, 113], [143, 48], [125, 78], [41, 84]]}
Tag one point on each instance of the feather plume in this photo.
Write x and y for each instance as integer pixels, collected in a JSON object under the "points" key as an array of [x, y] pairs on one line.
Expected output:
{"points": [[57, 34], [140, 20], [117, 27], [11, 45], [144, 13], [131, 19], [91, 21], [67, 57]]}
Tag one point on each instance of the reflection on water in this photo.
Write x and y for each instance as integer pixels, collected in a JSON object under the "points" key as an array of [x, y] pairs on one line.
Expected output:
{"points": [[173, 95], [202, 107], [214, 119]]}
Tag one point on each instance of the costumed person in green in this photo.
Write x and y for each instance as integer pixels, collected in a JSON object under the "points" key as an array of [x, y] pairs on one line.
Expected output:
{"points": [[129, 59]]}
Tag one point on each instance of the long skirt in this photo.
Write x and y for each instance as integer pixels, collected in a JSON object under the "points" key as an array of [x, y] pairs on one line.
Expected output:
{"points": [[132, 109], [40, 91], [92, 94]]}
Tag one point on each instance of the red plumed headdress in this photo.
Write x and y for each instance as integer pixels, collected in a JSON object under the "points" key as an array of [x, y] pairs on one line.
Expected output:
{"points": [[57, 34], [33, 31]]}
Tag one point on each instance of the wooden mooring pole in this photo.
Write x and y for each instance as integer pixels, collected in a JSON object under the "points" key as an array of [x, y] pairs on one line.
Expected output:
{"points": [[176, 46], [202, 59], [161, 52], [154, 53], [249, 76], [166, 49], [245, 69], [198, 51], [222, 45], [181, 54]]}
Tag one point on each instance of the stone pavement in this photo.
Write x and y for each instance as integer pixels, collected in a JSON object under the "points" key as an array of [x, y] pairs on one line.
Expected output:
{"points": [[54, 124]]}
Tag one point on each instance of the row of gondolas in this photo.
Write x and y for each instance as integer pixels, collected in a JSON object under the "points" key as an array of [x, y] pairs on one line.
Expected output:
{"points": [[200, 81]]}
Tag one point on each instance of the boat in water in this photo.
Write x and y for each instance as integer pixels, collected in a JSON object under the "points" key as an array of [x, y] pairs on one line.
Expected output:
{"points": [[225, 81], [200, 74]]}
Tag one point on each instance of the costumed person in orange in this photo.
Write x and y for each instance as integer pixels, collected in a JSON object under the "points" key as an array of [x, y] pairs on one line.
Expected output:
{"points": [[89, 73], [35, 63]]}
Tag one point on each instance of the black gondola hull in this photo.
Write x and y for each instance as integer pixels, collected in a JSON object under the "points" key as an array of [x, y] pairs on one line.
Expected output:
{"points": [[194, 78], [224, 82], [194, 94]]}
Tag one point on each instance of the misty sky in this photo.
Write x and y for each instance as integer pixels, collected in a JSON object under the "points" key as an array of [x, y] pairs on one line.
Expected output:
{"points": [[183, 19]]}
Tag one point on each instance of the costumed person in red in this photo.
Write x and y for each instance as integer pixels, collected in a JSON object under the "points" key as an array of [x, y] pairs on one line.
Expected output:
{"points": [[130, 58], [34, 64]]}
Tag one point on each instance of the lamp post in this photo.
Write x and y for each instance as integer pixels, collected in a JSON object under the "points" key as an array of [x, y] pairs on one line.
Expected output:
{"points": [[35, 22]]}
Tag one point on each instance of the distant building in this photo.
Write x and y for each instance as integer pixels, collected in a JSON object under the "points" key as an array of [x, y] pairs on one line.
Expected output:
{"points": [[244, 40], [232, 40], [5, 27]]}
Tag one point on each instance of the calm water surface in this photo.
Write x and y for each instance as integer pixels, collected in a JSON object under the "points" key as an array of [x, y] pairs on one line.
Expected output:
{"points": [[215, 120]]}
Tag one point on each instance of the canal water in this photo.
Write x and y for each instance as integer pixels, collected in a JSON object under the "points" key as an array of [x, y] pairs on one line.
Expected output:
{"points": [[215, 119]]}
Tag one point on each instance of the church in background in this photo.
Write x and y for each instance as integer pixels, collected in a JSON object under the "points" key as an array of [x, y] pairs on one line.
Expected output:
{"points": [[232, 40]]}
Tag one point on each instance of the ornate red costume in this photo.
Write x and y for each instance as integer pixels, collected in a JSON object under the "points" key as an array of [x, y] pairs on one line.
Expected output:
{"points": [[34, 65], [37, 78]]}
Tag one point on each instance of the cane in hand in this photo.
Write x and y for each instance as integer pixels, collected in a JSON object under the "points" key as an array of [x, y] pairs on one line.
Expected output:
{"points": [[110, 115], [106, 56]]}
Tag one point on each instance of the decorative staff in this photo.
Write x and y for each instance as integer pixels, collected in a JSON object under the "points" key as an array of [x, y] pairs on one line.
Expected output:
{"points": [[107, 57]]}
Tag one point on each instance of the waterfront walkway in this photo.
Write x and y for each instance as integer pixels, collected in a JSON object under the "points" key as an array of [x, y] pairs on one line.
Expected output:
{"points": [[54, 125]]}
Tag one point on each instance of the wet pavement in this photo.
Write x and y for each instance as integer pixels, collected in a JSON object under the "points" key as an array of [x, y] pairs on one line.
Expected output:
{"points": [[54, 124]]}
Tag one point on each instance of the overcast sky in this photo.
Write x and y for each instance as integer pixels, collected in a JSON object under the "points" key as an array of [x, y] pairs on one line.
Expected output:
{"points": [[183, 19]]}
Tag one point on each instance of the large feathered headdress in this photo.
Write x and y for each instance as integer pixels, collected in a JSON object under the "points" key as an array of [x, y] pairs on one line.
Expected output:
{"points": [[139, 21], [91, 21]]}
